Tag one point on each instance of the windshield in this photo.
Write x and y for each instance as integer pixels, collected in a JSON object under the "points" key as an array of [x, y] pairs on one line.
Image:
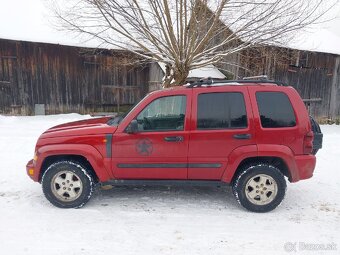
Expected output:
{"points": [[115, 121]]}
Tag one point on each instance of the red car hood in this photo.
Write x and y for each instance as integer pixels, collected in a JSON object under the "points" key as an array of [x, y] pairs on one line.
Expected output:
{"points": [[82, 127]]}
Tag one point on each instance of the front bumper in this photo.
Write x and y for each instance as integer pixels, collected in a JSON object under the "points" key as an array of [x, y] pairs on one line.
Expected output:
{"points": [[31, 171]]}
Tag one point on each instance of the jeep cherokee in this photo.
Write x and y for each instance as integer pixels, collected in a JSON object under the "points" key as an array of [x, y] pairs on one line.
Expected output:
{"points": [[250, 134]]}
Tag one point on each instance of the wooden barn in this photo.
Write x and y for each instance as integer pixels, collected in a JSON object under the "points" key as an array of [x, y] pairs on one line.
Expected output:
{"points": [[40, 73], [62, 79], [311, 64], [315, 75]]}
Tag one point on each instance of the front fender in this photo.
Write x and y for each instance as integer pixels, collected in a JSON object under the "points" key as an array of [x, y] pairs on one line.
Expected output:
{"points": [[100, 165]]}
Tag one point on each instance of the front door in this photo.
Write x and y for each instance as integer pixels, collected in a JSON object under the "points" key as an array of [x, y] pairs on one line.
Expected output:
{"points": [[159, 149]]}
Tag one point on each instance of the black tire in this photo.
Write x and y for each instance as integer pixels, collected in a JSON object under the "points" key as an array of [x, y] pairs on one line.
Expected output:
{"points": [[251, 197], [317, 142], [67, 175]]}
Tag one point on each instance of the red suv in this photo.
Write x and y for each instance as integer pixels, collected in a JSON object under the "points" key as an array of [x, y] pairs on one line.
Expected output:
{"points": [[250, 134]]}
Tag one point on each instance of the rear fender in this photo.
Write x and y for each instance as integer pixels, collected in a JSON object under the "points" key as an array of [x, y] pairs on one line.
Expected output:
{"points": [[260, 150], [235, 158], [283, 152]]}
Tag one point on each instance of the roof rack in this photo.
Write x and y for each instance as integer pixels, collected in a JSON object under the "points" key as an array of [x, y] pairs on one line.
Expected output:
{"points": [[260, 77], [210, 82]]}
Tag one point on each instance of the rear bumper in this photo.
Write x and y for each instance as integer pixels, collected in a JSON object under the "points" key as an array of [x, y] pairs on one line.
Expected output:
{"points": [[305, 165], [31, 171]]}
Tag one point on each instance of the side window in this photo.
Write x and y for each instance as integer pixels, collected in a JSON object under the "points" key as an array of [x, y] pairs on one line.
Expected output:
{"points": [[221, 111], [275, 110], [163, 114]]}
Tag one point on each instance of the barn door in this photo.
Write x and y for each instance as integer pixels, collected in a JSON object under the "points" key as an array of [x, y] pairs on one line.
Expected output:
{"points": [[9, 96]]}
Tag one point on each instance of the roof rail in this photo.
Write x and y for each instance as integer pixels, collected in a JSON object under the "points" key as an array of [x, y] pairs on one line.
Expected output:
{"points": [[210, 82], [260, 77]]}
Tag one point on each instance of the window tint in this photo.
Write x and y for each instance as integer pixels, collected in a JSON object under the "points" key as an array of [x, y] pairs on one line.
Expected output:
{"points": [[221, 111], [275, 110], [165, 113]]}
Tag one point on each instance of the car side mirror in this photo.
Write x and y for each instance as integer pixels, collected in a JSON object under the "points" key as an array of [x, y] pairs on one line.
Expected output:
{"points": [[132, 127]]}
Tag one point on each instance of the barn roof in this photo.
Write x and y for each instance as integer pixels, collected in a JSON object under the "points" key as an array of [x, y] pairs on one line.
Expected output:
{"points": [[30, 21], [319, 39], [24, 20]]}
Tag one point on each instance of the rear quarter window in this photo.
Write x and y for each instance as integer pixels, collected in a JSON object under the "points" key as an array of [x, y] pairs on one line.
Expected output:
{"points": [[276, 110]]}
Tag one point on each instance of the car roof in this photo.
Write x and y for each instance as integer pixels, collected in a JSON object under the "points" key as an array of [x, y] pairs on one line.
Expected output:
{"points": [[220, 85]]}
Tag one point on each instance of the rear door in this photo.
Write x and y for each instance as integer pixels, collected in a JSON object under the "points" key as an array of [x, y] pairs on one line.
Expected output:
{"points": [[221, 122]]}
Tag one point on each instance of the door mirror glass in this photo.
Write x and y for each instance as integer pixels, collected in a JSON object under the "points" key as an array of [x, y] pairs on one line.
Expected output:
{"points": [[133, 127]]}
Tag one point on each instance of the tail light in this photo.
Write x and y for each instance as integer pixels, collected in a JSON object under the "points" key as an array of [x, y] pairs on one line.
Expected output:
{"points": [[308, 143]]}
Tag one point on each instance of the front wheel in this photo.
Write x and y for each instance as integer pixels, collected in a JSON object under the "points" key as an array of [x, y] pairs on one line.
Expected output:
{"points": [[259, 187], [66, 184]]}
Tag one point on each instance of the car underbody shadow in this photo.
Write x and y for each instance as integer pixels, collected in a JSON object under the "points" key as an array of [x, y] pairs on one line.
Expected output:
{"points": [[156, 197]]}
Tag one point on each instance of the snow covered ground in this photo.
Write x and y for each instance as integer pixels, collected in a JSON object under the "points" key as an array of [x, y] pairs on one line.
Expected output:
{"points": [[162, 220]]}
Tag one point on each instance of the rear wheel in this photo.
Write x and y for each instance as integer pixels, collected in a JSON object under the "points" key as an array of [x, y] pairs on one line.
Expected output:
{"points": [[260, 187], [67, 184]]}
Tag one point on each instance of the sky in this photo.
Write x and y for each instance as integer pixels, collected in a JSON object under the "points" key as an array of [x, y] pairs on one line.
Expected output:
{"points": [[31, 21]]}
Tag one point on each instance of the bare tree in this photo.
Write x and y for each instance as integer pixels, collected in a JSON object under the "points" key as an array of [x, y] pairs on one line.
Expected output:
{"points": [[188, 34]]}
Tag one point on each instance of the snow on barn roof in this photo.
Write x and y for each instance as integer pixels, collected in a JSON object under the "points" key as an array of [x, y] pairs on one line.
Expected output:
{"points": [[202, 72], [322, 37], [318, 39], [29, 21]]}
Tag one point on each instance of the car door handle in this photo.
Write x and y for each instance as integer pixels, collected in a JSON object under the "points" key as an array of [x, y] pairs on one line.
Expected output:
{"points": [[174, 138], [242, 136]]}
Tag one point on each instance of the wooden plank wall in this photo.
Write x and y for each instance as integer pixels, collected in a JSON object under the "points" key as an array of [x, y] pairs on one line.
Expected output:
{"points": [[311, 73], [71, 79], [67, 79]]}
